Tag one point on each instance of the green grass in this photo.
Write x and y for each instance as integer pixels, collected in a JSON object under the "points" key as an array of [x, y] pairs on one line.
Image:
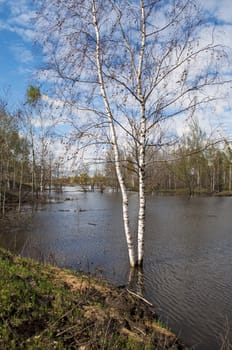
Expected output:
{"points": [[44, 307]]}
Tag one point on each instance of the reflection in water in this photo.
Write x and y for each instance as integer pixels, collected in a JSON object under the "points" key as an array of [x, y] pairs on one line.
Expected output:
{"points": [[188, 259], [136, 280]]}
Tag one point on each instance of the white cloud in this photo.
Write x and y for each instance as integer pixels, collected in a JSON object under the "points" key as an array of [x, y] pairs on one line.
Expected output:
{"points": [[52, 102], [17, 18], [222, 10], [21, 53]]}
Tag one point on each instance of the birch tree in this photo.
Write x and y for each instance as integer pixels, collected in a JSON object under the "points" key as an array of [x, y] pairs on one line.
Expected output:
{"points": [[129, 67]]}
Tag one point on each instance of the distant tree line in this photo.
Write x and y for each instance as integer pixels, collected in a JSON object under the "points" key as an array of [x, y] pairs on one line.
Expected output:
{"points": [[29, 169], [194, 165]]}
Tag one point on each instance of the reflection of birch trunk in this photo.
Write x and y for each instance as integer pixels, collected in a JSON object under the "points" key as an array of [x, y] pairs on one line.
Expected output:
{"points": [[140, 282], [136, 280], [131, 278]]}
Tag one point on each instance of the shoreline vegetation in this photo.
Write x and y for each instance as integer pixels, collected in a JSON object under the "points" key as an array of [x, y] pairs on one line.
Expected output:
{"points": [[46, 307], [195, 193]]}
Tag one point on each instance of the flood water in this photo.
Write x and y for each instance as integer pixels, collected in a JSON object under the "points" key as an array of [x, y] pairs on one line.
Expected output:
{"points": [[188, 254]]}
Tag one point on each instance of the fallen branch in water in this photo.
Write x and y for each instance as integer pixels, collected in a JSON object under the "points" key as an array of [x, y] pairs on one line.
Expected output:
{"points": [[139, 297]]}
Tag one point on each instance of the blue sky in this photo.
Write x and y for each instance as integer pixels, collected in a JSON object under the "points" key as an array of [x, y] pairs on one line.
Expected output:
{"points": [[19, 57]]}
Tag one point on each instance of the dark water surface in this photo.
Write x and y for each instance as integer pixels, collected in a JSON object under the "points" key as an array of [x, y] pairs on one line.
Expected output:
{"points": [[187, 267]]}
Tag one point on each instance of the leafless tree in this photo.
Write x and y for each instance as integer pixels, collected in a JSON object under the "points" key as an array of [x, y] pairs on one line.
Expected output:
{"points": [[127, 68]]}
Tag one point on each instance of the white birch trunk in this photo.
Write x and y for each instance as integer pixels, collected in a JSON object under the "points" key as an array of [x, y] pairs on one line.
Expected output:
{"points": [[142, 143], [129, 237], [142, 199]]}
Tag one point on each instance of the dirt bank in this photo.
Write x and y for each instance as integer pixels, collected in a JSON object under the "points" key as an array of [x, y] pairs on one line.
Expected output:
{"points": [[44, 307]]}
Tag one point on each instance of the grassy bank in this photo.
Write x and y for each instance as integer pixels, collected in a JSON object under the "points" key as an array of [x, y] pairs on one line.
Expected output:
{"points": [[44, 307]]}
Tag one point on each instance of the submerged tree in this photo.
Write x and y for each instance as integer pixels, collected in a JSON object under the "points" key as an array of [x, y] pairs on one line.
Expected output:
{"points": [[127, 67]]}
